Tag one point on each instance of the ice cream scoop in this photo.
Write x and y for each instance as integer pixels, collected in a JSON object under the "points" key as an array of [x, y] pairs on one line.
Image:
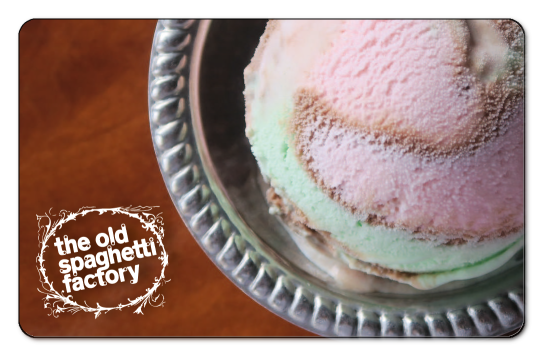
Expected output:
{"points": [[398, 142]]}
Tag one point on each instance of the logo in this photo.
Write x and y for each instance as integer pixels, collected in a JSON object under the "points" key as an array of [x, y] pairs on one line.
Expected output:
{"points": [[93, 264]]}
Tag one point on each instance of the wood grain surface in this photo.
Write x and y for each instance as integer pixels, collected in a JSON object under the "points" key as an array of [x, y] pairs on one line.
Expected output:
{"points": [[85, 141]]}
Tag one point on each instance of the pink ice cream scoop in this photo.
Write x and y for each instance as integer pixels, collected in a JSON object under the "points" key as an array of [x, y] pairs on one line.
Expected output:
{"points": [[398, 145]]}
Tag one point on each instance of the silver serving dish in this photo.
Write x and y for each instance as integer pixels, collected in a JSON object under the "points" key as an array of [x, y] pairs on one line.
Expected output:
{"points": [[196, 113]]}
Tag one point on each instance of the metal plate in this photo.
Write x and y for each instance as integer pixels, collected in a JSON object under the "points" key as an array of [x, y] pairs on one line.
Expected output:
{"points": [[196, 110]]}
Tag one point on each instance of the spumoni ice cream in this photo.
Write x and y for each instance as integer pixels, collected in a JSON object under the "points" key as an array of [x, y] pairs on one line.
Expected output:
{"points": [[399, 143]]}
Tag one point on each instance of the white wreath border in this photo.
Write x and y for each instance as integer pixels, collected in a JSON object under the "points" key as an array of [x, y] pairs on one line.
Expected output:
{"points": [[57, 302]]}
